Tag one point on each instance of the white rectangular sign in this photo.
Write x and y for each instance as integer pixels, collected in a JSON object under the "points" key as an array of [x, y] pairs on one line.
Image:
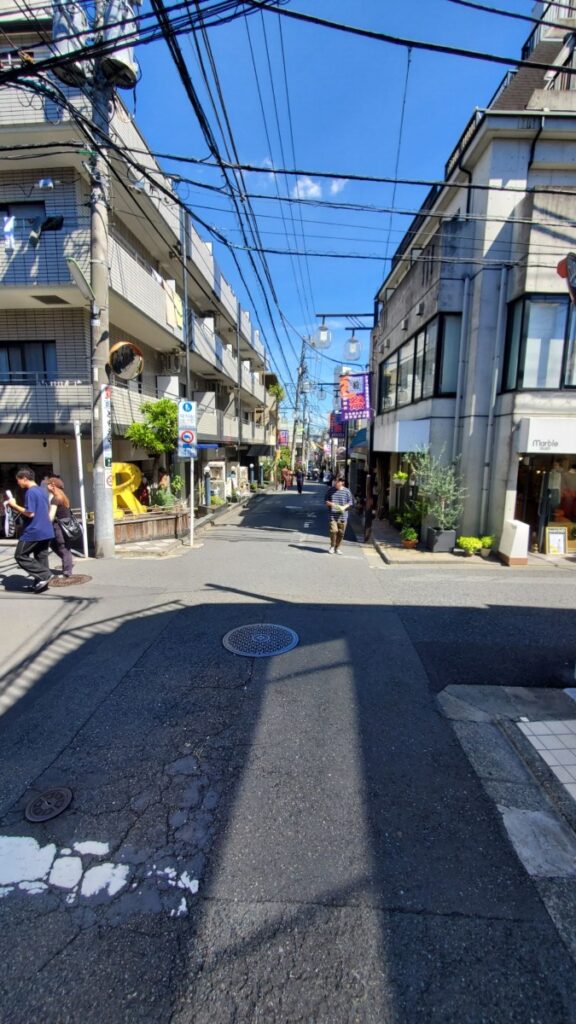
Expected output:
{"points": [[538, 435]]}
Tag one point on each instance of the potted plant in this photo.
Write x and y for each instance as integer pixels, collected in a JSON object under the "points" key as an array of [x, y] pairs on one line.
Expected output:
{"points": [[400, 478], [469, 545], [441, 497], [409, 537], [487, 543]]}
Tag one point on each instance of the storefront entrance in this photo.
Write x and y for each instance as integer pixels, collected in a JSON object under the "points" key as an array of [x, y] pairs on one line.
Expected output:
{"points": [[546, 498], [8, 474]]}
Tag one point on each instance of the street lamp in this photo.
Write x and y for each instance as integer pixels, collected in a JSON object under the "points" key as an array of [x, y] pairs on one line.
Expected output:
{"points": [[352, 347]]}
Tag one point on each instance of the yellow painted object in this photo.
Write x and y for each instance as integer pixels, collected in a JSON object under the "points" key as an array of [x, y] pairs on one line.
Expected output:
{"points": [[127, 478]]}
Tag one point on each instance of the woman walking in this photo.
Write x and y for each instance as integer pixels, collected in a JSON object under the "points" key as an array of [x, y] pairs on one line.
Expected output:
{"points": [[60, 509]]}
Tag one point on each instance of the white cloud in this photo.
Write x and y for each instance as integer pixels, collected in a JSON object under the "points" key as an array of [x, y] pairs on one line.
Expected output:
{"points": [[337, 185], [306, 188]]}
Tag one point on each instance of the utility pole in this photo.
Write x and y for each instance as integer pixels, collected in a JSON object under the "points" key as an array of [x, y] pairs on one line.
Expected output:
{"points": [[99, 320], [299, 380]]}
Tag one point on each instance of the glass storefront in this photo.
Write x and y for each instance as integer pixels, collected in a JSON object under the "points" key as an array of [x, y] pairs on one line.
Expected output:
{"points": [[546, 497]]}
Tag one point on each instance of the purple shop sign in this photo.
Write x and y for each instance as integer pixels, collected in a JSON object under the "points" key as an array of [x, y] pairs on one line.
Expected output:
{"points": [[355, 396]]}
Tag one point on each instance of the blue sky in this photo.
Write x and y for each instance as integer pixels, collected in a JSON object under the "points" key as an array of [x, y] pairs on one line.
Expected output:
{"points": [[345, 100]]}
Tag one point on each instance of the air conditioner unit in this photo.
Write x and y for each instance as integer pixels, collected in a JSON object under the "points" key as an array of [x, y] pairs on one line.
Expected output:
{"points": [[171, 362]]}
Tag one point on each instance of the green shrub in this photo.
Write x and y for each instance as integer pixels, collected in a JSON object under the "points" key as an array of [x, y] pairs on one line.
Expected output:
{"points": [[487, 541], [253, 487], [408, 533], [469, 544], [215, 501]]}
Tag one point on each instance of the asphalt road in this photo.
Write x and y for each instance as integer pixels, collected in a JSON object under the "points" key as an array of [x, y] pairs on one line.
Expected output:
{"points": [[295, 839]]}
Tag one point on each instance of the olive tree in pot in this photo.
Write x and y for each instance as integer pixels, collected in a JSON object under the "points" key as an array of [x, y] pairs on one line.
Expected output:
{"points": [[441, 495]]}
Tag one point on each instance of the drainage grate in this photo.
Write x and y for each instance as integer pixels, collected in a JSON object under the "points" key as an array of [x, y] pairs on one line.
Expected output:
{"points": [[260, 640], [48, 804]]}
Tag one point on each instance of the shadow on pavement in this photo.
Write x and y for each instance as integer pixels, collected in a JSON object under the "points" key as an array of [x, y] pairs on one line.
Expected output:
{"points": [[296, 838]]}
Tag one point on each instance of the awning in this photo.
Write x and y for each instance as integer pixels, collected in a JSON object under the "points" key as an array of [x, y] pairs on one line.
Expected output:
{"points": [[360, 440]]}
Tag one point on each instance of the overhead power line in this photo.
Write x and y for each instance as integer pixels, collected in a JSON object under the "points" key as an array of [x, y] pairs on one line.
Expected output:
{"points": [[415, 44], [510, 14]]}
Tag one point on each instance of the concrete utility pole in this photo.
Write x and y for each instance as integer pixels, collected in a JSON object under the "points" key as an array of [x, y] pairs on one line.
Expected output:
{"points": [[299, 380], [99, 320]]}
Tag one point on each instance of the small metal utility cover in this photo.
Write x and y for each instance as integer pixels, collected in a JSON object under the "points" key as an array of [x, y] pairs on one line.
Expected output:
{"points": [[260, 640], [48, 804]]}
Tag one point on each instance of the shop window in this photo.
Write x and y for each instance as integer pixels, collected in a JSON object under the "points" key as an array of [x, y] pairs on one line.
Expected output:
{"points": [[388, 375], [448, 377], [430, 359], [405, 374], [27, 362]]}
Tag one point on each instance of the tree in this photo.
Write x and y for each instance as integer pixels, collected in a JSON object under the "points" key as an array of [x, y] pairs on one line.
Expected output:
{"points": [[439, 490], [158, 434], [284, 458], [277, 392]]}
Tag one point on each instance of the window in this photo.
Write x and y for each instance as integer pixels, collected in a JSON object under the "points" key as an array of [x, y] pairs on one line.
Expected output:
{"points": [[545, 327], [539, 344], [430, 359], [514, 338], [405, 373], [448, 379], [388, 375], [27, 362], [419, 365], [25, 216]]}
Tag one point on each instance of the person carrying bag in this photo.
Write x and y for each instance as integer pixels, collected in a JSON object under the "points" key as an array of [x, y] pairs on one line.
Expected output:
{"points": [[67, 530]]}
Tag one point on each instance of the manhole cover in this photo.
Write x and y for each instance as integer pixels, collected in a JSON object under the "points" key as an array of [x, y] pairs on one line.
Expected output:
{"points": [[68, 581], [48, 804], [260, 640]]}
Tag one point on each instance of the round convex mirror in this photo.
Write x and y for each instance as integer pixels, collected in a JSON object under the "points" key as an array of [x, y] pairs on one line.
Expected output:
{"points": [[126, 360]]}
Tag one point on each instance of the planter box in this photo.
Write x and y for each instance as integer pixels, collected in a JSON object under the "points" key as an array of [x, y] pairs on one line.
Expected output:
{"points": [[440, 541]]}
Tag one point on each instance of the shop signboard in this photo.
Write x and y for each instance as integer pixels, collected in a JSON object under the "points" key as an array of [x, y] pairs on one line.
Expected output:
{"points": [[282, 437], [355, 396], [556, 540], [337, 425], [539, 435]]}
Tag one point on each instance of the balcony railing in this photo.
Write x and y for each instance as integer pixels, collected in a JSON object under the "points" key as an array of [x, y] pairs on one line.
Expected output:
{"points": [[137, 284]]}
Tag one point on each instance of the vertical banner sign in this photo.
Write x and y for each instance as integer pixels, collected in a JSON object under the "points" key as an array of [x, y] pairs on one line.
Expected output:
{"points": [[187, 439], [337, 428], [355, 396], [282, 437], [106, 408]]}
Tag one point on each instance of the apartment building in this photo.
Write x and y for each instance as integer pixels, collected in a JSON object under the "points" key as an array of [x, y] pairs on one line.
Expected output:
{"points": [[473, 352], [45, 339]]}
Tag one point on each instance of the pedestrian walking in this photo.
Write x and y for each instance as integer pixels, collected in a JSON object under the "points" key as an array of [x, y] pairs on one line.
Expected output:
{"points": [[338, 500], [300, 479], [34, 544], [59, 510]]}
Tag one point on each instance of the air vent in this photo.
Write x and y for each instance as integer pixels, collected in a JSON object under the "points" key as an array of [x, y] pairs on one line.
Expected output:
{"points": [[51, 300]]}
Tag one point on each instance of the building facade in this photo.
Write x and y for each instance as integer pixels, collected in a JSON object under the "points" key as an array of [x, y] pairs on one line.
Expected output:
{"points": [[473, 353], [45, 336]]}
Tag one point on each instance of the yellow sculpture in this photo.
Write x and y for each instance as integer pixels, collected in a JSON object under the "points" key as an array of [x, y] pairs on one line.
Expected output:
{"points": [[127, 479]]}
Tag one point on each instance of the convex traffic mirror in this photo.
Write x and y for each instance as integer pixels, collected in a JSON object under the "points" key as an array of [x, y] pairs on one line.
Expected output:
{"points": [[126, 360]]}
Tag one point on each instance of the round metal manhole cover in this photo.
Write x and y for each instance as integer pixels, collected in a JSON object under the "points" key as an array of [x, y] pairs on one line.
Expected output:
{"points": [[260, 640], [69, 581], [48, 804]]}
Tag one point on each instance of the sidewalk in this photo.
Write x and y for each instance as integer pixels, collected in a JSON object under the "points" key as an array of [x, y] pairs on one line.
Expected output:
{"points": [[389, 546]]}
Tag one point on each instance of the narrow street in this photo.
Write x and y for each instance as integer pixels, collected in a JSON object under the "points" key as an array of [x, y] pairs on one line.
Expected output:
{"points": [[296, 838]]}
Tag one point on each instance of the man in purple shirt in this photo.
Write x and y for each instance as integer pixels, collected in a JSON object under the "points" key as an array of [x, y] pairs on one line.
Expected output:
{"points": [[34, 543]]}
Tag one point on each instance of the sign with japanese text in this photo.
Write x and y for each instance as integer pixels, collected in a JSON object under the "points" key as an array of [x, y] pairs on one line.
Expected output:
{"points": [[282, 437], [355, 396], [337, 427], [187, 436]]}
